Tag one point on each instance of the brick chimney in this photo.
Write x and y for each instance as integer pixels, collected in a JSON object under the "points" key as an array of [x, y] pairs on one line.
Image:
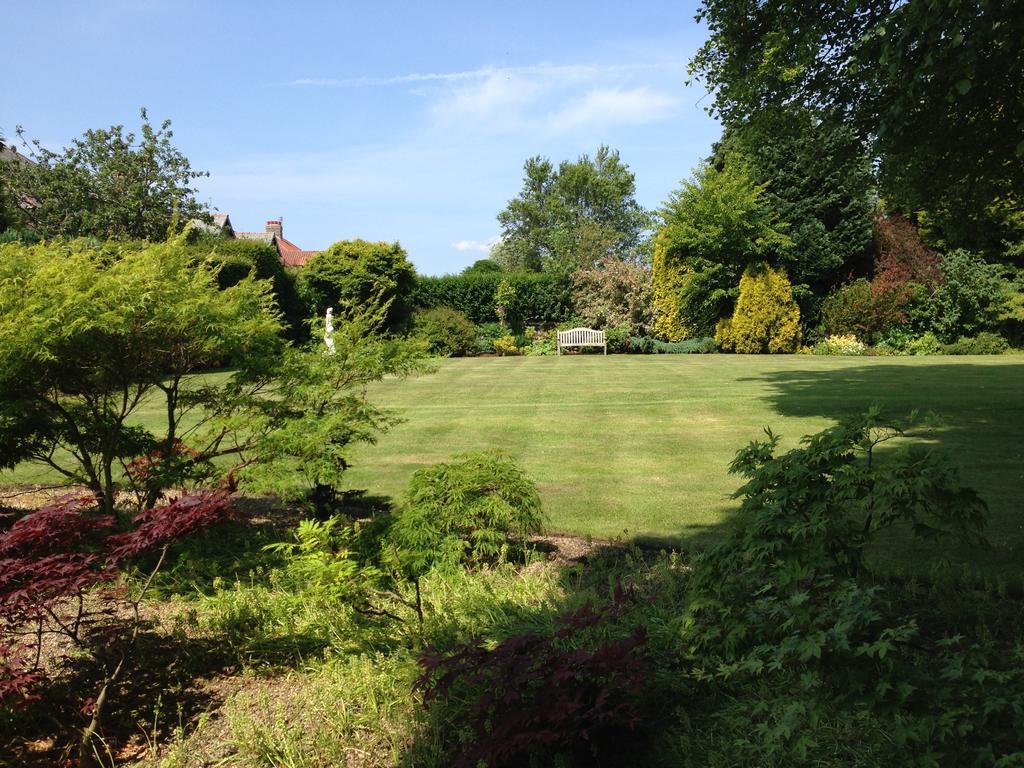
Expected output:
{"points": [[276, 227]]}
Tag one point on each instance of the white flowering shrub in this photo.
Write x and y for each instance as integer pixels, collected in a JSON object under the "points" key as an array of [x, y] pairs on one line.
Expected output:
{"points": [[846, 344]]}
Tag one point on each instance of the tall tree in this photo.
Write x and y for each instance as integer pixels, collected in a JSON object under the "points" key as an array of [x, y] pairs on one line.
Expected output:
{"points": [[936, 87], [108, 184], [817, 177], [713, 227], [551, 223]]}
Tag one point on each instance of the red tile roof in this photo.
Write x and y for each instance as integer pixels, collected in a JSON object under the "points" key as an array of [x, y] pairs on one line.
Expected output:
{"points": [[288, 252], [291, 255], [297, 258]]}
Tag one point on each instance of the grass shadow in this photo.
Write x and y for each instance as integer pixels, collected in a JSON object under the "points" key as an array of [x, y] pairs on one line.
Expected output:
{"points": [[980, 425]]}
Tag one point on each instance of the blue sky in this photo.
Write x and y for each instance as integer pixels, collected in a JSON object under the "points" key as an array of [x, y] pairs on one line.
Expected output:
{"points": [[387, 121]]}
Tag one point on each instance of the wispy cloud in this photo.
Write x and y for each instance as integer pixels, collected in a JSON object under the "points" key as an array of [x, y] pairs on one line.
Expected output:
{"points": [[560, 71], [437, 177], [482, 246]]}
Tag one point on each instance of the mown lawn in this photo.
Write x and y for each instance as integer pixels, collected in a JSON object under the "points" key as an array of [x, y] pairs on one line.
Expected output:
{"points": [[639, 446]]}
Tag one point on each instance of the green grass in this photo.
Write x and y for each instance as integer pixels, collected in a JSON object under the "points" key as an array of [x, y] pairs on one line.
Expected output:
{"points": [[639, 445]]}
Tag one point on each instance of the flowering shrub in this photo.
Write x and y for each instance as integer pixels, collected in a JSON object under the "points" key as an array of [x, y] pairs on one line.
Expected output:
{"points": [[486, 335], [614, 293], [847, 344]]}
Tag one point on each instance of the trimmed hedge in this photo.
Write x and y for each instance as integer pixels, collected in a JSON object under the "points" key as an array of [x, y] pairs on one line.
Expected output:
{"points": [[541, 298]]}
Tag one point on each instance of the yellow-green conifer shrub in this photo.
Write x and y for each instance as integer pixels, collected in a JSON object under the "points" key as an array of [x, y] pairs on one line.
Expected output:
{"points": [[667, 278], [766, 318]]}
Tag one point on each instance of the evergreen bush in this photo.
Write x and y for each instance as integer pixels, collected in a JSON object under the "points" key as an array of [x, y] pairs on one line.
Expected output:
{"points": [[447, 332], [357, 274], [766, 318], [985, 343]]}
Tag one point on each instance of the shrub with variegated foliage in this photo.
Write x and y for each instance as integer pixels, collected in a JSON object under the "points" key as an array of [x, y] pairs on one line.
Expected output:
{"points": [[614, 293]]}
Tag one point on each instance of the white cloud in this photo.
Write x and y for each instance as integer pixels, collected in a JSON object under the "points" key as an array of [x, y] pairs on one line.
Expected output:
{"points": [[483, 246], [548, 100], [412, 77], [455, 157], [608, 106], [500, 97]]}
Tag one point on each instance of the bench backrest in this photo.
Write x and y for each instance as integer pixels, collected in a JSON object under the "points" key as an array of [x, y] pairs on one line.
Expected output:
{"points": [[577, 336]]}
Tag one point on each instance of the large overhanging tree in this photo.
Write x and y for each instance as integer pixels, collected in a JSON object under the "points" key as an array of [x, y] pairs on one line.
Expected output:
{"points": [[935, 86], [817, 177]]}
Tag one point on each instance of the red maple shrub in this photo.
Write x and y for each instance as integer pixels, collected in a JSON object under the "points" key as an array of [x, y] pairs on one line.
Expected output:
{"points": [[53, 559], [902, 257], [539, 694], [150, 473], [907, 272], [17, 679]]}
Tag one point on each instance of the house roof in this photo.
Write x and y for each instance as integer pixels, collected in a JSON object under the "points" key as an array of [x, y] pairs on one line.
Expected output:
{"points": [[288, 252], [291, 255], [7, 152], [266, 237], [296, 258]]}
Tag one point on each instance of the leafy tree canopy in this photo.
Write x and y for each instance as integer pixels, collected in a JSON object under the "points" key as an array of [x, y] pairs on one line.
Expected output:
{"points": [[89, 334], [817, 177], [546, 224], [936, 86], [483, 267], [108, 184], [359, 273]]}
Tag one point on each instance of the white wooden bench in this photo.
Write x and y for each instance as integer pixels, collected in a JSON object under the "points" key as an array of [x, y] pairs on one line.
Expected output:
{"points": [[582, 337]]}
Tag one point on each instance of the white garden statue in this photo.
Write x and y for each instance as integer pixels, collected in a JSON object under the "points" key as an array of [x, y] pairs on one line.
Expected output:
{"points": [[329, 330]]}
